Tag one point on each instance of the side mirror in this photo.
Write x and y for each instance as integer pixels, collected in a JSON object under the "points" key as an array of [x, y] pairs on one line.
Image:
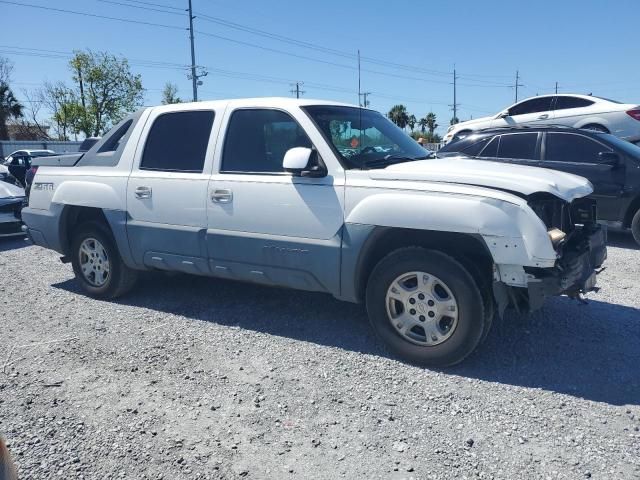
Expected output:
{"points": [[504, 114], [609, 158], [299, 161]]}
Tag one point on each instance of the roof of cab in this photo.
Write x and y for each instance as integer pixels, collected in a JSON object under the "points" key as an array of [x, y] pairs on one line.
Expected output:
{"points": [[252, 102]]}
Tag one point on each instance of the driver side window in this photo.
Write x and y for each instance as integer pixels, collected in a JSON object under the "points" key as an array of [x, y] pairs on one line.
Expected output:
{"points": [[257, 140], [535, 105]]}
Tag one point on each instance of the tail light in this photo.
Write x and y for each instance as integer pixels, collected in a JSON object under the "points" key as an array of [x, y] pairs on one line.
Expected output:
{"points": [[634, 113], [33, 170]]}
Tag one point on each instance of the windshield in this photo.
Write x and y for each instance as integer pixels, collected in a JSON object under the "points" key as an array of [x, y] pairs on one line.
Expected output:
{"points": [[364, 138]]}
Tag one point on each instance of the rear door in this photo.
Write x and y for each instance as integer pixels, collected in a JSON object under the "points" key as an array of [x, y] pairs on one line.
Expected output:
{"points": [[578, 154], [167, 190], [568, 109]]}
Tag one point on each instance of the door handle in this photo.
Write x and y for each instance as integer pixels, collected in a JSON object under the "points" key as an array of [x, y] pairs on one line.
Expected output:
{"points": [[221, 195], [543, 116], [142, 192]]}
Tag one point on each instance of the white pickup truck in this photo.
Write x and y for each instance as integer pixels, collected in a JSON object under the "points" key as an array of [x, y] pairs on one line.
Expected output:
{"points": [[325, 197]]}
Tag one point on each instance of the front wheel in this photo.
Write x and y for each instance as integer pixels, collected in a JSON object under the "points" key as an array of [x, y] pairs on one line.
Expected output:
{"points": [[97, 263], [425, 306]]}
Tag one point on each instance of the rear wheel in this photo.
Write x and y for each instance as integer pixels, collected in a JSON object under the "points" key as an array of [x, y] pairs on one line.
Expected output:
{"points": [[635, 226], [97, 263], [596, 128], [425, 306]]}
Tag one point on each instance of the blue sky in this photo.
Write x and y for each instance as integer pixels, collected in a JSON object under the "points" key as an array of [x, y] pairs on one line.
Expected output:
{"points": [[408, 48]]}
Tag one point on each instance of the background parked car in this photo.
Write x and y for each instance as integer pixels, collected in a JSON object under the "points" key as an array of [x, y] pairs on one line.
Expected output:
{"points": [[579, 111], [12, 200], [5, 176], [612, 165], [20, 161]]}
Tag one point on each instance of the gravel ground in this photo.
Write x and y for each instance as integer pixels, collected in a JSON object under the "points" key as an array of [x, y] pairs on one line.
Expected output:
{"points": [[196, 378]]}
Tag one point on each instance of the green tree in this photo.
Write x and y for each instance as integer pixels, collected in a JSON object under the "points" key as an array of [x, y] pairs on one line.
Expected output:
{"points": [[64, 105], [398, 115], [9, 108], [454, 120], [170, 94], [423, 124], [412, 122], [106, 88], [431, 122]]}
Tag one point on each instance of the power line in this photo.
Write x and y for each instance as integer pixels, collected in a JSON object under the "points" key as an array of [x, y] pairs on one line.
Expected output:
{"points": [[113, 2], [326, 62], [94, 15]]}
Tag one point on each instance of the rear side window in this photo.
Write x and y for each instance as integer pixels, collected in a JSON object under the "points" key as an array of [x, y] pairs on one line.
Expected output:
{"points": [[518, 145], [177, 142], [491, 150], [562, 103], [476, 147], [113, 142], [569, 147], [257, 140]]}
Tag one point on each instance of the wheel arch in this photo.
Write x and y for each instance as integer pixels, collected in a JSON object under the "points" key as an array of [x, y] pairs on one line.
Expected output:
{"points": [[469, 249], [113, 220]]}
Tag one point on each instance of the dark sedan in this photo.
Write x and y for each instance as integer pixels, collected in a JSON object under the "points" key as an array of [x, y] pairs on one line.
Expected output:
{"points": [[612, 165]]}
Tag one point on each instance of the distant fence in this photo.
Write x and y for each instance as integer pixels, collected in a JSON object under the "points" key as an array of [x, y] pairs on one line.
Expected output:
{"points": [[9, 146]]}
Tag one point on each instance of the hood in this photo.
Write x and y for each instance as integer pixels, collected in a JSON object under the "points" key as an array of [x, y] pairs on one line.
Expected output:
{"points": [[502, 176], [8, 191]]}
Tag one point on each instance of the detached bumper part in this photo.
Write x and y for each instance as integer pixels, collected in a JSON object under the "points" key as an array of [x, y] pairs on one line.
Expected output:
{"points": [[574, 273]]}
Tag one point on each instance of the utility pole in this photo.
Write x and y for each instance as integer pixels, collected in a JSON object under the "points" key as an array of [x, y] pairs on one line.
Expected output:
{"points": [[556, 88], [194, 76], [297, 90], [455, 105], [518, 84], [359, 94], [365, 103]]}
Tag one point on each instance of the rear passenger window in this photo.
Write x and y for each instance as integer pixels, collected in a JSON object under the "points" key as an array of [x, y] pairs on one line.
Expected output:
{"points": [[518, 145], [568, 147], [257, 140], [563, 103], [177, 142]]}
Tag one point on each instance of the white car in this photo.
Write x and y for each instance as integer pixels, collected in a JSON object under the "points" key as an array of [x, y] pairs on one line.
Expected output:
{"points": [[578, 111], [262, 190]]}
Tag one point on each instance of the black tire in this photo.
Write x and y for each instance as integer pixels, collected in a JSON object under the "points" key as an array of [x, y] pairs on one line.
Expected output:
{"points": [[120, 279], [595, 127], [471, 310], [635, 226]]}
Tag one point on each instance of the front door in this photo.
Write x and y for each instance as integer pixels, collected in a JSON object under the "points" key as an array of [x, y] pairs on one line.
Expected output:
{"points": [[265, 225], [167, 191], [578, 154], [536, 111]]}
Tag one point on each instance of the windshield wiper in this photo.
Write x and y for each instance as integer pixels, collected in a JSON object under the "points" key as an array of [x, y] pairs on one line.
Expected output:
{"points": [[390, 160]]}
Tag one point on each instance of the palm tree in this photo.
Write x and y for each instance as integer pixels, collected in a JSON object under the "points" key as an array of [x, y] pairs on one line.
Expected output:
{"points": [[398, 115], [431, 122], [412, 122], [9, 107], [423, 124]]}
